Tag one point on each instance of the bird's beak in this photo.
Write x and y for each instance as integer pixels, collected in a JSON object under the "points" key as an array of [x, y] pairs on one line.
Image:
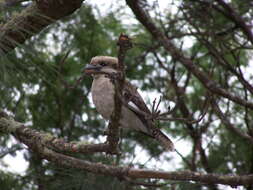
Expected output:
{"points": [[91, 69]]}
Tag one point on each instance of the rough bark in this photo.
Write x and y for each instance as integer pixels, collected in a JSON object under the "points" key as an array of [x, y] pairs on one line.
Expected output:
{"points": [[42, 144], [32, 20]]}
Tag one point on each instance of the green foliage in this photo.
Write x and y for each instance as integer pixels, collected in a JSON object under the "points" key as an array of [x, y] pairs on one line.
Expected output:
{"points": [[36, 86], [12, 181]]}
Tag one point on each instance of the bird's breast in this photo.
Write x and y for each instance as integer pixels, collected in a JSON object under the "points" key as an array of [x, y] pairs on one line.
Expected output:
{"points": [[103, 96]]}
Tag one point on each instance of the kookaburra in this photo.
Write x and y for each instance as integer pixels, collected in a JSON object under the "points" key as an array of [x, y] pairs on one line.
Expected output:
{"points": [[103, 91]]}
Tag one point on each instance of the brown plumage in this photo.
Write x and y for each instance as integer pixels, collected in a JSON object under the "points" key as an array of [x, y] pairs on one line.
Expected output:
{"points": [[103, 97]]}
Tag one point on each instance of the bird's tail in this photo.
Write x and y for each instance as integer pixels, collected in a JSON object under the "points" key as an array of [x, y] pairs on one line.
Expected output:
{"points": [[163, 140]]}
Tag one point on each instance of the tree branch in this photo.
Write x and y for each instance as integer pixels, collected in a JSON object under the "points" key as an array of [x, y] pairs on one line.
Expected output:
{"points": [[124, 44], [37, 143], [228, 124], [237, 19], [176, 54], [32, 20], [224, 63], [8, 125]]}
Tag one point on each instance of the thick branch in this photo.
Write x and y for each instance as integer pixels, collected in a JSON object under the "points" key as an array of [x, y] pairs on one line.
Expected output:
{"points": [[32, 20], [36, 142], [11, 126], [203, 77]]}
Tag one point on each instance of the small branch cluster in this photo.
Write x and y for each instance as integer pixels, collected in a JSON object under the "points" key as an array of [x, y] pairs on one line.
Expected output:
{"points": [[157, 115], [177, 54]]}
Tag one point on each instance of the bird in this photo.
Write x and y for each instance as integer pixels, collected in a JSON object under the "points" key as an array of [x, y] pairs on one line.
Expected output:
{"points": [[103, 91]]}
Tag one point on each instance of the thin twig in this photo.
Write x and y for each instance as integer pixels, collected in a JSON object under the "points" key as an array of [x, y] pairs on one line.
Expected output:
{"points": [[153, 105], [65, 83], [158, 104], [189, 121]]}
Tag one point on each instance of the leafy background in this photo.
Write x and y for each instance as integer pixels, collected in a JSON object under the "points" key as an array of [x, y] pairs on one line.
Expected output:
{"points": [[35, 86]]}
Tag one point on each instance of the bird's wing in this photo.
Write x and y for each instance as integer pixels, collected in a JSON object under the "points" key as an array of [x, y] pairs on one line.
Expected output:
{"points": [[132, 96]]}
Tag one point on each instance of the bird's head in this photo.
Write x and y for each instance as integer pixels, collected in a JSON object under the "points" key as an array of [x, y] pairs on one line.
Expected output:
{"points": [[101, 65]]}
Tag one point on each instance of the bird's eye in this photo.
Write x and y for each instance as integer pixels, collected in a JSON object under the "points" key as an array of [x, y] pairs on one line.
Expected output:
{"points": [[103, 63]]}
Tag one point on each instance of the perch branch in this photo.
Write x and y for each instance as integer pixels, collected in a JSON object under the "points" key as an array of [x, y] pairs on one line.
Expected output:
{"points": [[124, 44], [37, 142]]}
